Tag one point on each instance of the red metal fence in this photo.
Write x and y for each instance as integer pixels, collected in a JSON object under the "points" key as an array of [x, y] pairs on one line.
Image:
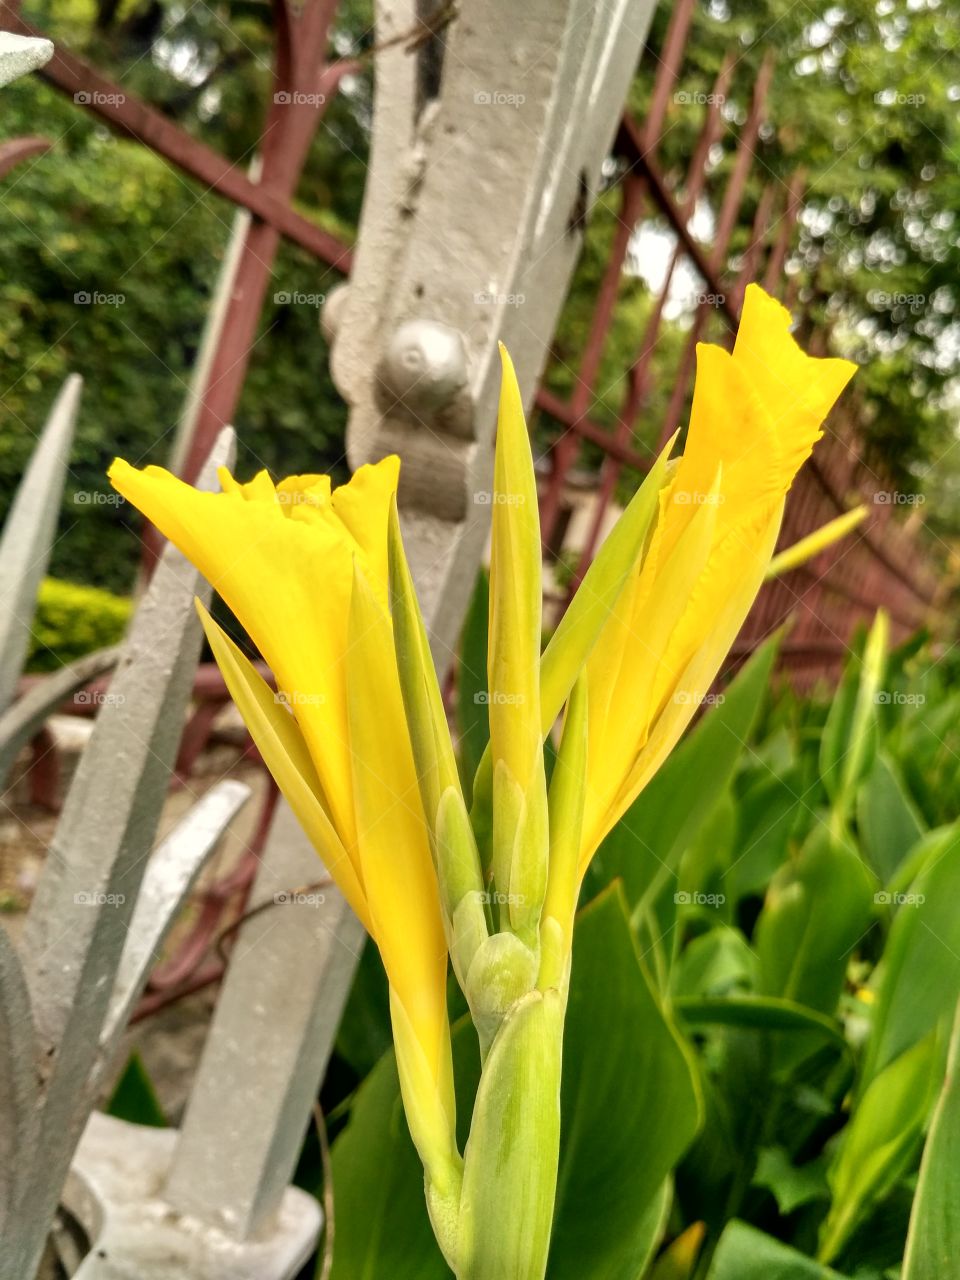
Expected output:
{"points": [[883, 564]]}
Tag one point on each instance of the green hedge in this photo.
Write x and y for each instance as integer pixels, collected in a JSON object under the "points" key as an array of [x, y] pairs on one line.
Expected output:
{"points": [[72, 620]]}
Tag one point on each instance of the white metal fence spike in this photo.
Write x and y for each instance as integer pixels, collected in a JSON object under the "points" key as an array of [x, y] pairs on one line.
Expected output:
{"points": [[25, 718], [21, 54], [18, 1094], [29, 532], [113, 1193], [267, 1050], [170, 875], [77, 925]]}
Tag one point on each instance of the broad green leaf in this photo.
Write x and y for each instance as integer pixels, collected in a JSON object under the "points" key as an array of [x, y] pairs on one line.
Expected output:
{"points": [[850, 737], [835, 739], [933, 1241], [630, 1104], [713, 964], [817, 909], [472, 722], [876, 1147], [620, 1050], [920, 974], [790, 1185], [744, 1253], [363, 1036], [381, 1223], [887, 818], [761, 1013], [134, 1097], [766, 817], [645, 846]]}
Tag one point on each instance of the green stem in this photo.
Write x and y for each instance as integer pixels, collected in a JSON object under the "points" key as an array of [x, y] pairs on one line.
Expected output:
{"points": [[512, 1154]]}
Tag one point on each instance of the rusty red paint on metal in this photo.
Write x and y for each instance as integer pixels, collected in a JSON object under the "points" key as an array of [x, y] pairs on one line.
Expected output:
{"points": [[878, 565], [15, 150]]}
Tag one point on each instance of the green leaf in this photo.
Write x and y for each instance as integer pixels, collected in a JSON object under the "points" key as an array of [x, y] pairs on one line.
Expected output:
{"points": [[921, 963], [363, 1036], [472, 722], [850, 736], [817, 909], [381, 1223], [713, 964], [134, 1098], [620, 1050], [744, 1253], [766, 817], [630, 1104], [887, 819], [878, 1144], [790, 1185], [761, 1013], [933, 1241], [645, 846]]}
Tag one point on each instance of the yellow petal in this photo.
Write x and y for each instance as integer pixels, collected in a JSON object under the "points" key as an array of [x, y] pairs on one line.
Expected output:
{"points": [[796, 390], [635, 657], [397, 867], [727, 612], [284, 567], [284, 752], [363, 505]]}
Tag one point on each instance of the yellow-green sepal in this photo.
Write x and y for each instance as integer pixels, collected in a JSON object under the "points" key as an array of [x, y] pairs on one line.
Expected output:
{"points": [[452, 841], [564, 657], [502, 972], [566, 801], [464, 902], [278, 739], [513, 664], [620, 554], [422, 700]]}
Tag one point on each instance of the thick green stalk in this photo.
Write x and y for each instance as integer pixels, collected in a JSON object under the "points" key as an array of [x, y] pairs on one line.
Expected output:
{"points": [[510, 1163]]}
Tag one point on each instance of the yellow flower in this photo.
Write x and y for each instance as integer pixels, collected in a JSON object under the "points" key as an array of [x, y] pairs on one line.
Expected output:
{"points": [[756, 415], [304, 569]]}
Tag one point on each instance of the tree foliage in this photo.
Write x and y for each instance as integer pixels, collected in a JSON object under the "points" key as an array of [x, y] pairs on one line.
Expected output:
{"points": [[863, 99]]}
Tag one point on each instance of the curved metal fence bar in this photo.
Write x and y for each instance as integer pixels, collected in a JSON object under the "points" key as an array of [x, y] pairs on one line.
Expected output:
{"points": [[78, 924], [29, 532]]}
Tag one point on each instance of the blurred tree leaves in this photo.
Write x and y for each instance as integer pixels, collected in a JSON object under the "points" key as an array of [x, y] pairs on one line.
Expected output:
{"points": [[863, 99]]}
